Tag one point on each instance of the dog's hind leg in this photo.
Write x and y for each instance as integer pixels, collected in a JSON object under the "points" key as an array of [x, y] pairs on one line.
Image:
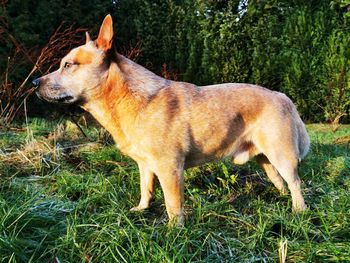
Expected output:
{"points": [[272, 173], [147, 179], [284, 157], [287, 166], [288, 169]]}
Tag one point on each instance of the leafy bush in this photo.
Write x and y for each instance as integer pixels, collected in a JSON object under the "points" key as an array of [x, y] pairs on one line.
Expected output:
{"points": [[298, 47]]}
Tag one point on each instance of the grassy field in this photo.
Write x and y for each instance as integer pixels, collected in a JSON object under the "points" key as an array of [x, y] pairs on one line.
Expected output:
{"points": [[66, 198]]}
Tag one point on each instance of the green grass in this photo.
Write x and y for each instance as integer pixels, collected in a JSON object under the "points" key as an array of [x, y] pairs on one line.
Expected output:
{"points": [[65, 197]]}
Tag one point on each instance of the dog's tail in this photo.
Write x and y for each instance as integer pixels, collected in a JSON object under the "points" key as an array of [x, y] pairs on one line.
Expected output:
{"points": [[303, 138]]}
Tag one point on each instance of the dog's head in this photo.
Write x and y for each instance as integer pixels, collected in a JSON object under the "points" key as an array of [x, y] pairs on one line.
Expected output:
{"points": [[81, 72]]}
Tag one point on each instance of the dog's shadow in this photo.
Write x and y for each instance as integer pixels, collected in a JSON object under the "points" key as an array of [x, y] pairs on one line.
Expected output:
{"points": [[238, 185]]}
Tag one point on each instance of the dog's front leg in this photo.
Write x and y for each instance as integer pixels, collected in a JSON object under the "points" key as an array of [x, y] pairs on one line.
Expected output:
{"points": [[172, 183], [147, 178]]}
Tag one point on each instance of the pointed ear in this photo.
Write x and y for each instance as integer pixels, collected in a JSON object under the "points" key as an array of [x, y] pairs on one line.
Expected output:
{"points": [[105, 37], [88, 39]]}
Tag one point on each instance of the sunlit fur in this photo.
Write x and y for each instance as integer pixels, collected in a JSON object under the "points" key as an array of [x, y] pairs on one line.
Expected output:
{"points": [[167, 126]]}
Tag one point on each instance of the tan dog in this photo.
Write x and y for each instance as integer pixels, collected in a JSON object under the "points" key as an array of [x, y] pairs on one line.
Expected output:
{"points": [[167, 126]]}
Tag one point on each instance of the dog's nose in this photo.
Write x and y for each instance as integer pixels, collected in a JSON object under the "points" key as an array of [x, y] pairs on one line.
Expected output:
{"points": [[36, 83]]}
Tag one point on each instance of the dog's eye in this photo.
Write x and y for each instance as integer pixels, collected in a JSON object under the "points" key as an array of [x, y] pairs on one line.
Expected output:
{"points": [[67, 65]]}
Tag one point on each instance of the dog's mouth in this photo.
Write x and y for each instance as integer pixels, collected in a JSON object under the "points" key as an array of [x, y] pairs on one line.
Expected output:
{"points": [[67, 99]]}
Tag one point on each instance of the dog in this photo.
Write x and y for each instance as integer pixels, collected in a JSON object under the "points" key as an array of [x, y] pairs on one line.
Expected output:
{"points": [[168, 126]]}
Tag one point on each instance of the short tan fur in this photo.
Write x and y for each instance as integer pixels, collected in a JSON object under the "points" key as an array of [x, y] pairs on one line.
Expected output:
{"points": [[168, 126]]}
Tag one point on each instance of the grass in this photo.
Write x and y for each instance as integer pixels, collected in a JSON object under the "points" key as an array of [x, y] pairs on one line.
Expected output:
{"points": [[66, 198]]}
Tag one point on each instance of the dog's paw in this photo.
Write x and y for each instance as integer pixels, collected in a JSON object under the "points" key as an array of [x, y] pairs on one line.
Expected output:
{"points": [[298, 209], [177, 221], [283, 191], [138, 209]]}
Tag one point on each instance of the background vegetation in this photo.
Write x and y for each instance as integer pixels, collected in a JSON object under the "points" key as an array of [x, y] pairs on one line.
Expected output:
{"points": [[297, 47], [65, 197]]}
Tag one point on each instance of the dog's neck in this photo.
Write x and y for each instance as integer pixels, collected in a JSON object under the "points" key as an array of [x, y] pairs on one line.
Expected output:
{"points": [[126, 91], [140, 80]]}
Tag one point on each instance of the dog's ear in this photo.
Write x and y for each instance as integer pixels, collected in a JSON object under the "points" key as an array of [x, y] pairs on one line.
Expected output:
{"points": [[88, 39], [105, 37]]}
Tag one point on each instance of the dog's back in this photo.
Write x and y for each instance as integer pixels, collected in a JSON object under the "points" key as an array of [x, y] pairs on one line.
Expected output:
{"points": [[213, 122]]}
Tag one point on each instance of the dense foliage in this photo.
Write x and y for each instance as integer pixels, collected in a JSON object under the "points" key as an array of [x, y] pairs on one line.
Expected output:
{"points": [[297, 47]]}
